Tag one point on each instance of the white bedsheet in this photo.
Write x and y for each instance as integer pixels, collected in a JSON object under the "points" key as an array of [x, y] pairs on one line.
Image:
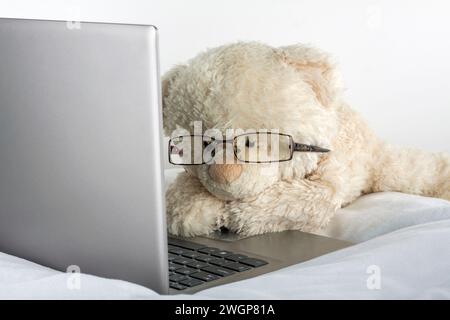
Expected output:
{"points": [[406, 238]]}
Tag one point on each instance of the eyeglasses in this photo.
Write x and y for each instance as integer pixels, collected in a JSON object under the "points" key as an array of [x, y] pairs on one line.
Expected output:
{"points": [[257, 147]]}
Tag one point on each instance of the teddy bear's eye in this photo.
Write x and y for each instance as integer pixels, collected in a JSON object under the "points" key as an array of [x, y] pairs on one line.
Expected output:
{"points": [[248, 143]]}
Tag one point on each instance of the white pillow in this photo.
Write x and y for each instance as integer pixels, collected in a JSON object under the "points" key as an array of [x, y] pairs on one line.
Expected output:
{"points": [[380, 213]]}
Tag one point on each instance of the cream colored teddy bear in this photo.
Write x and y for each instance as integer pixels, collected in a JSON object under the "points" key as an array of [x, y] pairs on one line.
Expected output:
{"points": [[296, 90]]}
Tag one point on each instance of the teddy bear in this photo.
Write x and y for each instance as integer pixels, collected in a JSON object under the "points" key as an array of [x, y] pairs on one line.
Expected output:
{"points": [[297, 90]]}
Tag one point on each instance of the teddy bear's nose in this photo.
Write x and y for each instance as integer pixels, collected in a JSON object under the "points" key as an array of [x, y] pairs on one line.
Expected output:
{"points": [[225, 173]]}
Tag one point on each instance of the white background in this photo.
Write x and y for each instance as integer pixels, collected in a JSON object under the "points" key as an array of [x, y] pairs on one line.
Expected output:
{"points": [[394, 55]]}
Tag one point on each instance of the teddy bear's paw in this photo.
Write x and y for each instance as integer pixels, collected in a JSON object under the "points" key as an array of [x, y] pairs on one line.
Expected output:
{"points": [[272, 224], [193, 219], [191, 228], [191, 210], [252, 227], [270, 214]]}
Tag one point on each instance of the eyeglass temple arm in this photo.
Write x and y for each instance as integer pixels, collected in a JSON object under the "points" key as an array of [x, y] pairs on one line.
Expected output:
{"points": [[308, 148]]}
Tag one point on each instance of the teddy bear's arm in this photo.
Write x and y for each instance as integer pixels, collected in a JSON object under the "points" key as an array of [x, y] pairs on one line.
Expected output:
{"points": [[301, 205], [191, 209]]}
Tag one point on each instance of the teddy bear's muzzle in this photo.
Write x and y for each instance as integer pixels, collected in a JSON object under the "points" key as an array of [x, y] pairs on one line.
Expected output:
{"points": [[225, 173]]}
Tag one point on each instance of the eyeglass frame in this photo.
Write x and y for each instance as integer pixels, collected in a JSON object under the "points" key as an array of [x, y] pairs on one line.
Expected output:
{"points": [[294, 147]]}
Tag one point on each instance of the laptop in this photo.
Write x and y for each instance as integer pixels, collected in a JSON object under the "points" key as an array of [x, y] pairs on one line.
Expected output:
{"points": [[81, 164]]}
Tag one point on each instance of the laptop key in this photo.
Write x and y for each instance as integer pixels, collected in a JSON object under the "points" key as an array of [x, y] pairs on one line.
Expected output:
{"points": [[218, 261], [221, 253], [172, 256], [176, 250], [185, 244], [176, 286], [205, 276], [236, 266], [209, 250], [191, 254], [191, 282], [218, 270], [197, 264], [236, 257], [186, 271], [177, 277], [253, 262], [205, 258], [183, 260], [173, 266]]}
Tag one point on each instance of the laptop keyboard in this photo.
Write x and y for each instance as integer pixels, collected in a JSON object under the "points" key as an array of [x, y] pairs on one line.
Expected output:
{"points": [[192, 264]]}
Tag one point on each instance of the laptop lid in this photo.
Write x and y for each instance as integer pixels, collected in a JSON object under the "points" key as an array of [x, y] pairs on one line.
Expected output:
{"points": [[81, 178]]}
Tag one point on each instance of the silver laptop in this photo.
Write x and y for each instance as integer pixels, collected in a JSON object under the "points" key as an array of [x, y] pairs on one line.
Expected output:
{"points": [[81, 174]]}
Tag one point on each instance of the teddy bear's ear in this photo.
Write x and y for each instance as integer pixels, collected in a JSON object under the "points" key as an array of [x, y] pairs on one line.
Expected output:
{"points": [[319, 71]]}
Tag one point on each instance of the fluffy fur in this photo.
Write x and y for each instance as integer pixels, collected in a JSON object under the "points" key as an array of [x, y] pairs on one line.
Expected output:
{"points": [[297, 90]]}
